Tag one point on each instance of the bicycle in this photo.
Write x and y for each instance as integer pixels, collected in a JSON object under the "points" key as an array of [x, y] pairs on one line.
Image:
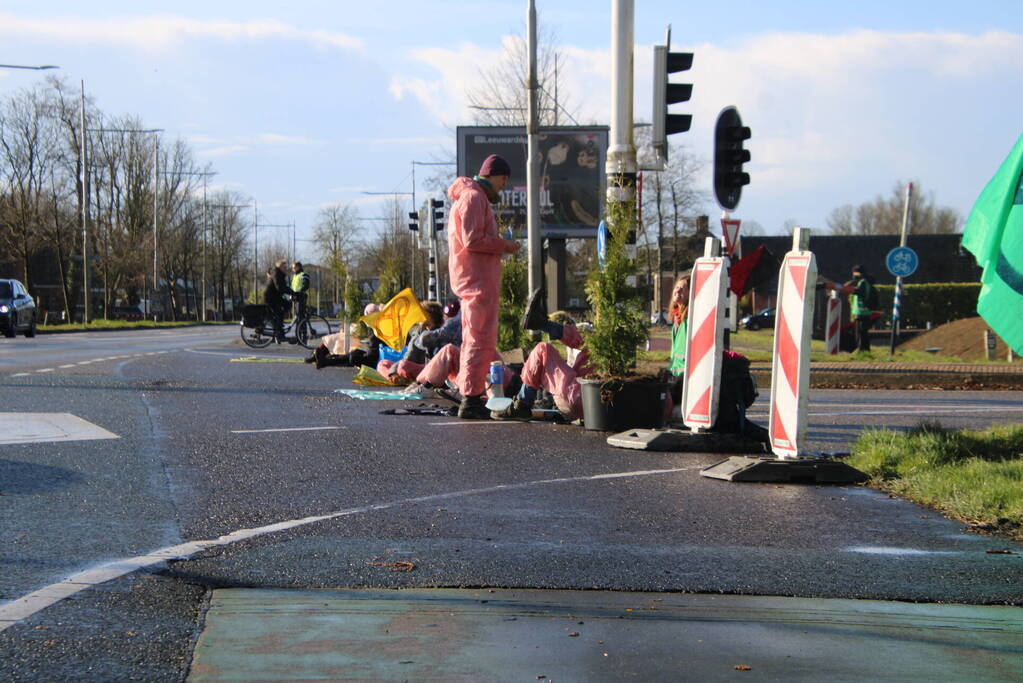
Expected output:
{"points": [[258, 332]]}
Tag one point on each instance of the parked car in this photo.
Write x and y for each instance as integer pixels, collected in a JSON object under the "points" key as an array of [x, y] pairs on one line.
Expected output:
{"points": [[764, 318], [17, 309]]}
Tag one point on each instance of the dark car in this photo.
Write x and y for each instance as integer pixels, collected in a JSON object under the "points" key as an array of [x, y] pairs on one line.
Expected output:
{"points": [[17, 309], [764, 318]]}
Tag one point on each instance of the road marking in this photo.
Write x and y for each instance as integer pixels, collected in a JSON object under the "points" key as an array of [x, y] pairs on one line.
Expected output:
{"points": [[20, 428], [21, 374], [470, 423], [69, 365], [21, 608], [45, 370], [282, 429]]}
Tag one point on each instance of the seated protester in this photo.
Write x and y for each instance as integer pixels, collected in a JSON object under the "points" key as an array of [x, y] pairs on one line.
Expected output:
{"points": [[545, 368], [411, 354], [737, 393], [326, 354], [428, 341]]}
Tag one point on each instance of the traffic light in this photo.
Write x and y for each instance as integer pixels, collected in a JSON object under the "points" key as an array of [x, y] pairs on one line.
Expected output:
{"points": [[414, 221], [729, 156], [667, 94], [437, 208]]}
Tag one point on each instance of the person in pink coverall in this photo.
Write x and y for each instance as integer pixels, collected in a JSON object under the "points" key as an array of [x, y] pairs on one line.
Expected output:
{"points": [[545, 368], [475, 249]]}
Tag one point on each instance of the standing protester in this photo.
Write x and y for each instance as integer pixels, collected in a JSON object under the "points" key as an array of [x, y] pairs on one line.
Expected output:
{"points": [[273, 296], [863, 301], [679, 321], [300, 288], [474, 262]]}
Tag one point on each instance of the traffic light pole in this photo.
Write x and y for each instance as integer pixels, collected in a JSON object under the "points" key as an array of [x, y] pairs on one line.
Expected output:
{"points": [[621, 155], [533, 161]]}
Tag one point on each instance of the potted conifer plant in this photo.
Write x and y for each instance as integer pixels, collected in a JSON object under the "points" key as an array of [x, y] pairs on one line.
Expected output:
{"points": [[614, 397]]}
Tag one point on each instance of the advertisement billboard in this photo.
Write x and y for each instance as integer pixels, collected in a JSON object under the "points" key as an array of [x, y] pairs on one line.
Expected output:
{"points": [[572, 181]]}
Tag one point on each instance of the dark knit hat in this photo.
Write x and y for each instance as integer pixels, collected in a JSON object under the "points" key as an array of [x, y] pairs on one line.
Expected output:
{"points": [[494, 165]]}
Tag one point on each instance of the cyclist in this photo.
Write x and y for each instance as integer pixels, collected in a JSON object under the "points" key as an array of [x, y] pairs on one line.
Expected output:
{"points": [[299, 288], [273, 296]]}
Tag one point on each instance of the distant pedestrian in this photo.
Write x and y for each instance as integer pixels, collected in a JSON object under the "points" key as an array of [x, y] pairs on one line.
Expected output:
{"points": [[299, 287], [863, 302]]}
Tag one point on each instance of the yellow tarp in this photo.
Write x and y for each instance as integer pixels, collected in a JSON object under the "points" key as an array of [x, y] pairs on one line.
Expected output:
{"points": [[393, 322], [368, 377]]}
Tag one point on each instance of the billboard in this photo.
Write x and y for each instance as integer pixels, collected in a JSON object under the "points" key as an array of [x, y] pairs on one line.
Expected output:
{"points": [[572, 181]]}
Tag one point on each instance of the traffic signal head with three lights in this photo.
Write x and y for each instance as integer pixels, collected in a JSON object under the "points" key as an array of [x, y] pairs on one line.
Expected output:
{"points": [[729, 156], [667, 94]]}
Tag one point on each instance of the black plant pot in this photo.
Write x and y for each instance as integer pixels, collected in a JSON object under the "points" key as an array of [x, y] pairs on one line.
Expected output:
{"points": [[617, 405]]}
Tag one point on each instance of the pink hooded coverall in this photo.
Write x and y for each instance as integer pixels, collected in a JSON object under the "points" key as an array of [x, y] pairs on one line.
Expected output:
{"points": [[546, 368], [474, 264]]}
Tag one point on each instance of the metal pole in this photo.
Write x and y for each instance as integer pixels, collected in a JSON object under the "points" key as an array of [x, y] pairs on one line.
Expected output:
{"points": [[85, 216], [205, 239], [621, 155], [156, 211], [255, 251], [897, 300], [533, 163]]}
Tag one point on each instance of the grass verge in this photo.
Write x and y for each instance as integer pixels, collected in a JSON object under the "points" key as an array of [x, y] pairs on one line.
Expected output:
{"points": [[974, 476], [102, 324]]}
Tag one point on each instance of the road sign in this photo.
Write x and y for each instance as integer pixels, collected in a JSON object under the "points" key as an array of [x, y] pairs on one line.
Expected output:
{"points": [[730, 233], [790, 383], [902, 261], [705, 334], [602, 243]]}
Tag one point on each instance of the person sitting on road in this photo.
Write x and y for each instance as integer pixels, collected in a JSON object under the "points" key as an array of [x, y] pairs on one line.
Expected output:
{"points": [[679, 312], [330, 352], [274, 297], [416, 357], [425, 345], [546, 369]]}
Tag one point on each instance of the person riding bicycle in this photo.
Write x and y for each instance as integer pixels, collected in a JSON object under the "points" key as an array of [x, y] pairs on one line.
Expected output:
{"points": [[274, 297], [299, 288]]}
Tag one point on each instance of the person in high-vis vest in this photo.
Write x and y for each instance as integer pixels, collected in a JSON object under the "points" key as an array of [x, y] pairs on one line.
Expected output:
{"points": [[863, 301], [299, 287], [678, 313]]}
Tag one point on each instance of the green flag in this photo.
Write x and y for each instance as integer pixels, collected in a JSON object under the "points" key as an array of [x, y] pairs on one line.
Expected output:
{"points": [[994, 235]]}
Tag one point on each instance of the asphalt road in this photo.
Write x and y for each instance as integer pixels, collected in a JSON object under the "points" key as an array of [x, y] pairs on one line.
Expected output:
{"points": [[208, 447]]}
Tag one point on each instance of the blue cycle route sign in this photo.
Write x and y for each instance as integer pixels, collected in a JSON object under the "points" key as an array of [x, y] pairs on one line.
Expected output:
{"points": [[902, 261]]}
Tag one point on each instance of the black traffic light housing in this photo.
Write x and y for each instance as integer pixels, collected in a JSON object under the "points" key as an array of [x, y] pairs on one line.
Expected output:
{"points": [[437, 213], [729, 156], [413, 221], [667, 94]]}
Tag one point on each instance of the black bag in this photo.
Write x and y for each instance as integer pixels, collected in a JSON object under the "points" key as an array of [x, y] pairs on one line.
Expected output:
{"points": [[254, 315], [738, 392]]}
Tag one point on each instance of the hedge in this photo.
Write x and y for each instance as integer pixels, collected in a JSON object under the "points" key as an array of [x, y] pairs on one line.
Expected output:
{"points": [[936, 303]]}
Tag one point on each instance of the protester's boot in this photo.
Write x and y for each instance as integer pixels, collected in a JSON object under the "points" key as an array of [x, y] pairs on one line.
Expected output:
{"points": [[473, 408], [518, 410], [535, 315]]}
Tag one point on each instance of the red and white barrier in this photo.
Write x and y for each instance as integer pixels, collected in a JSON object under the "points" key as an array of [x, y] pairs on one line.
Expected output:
{"points": [[790, 375], [705, 333], [833, 324]]}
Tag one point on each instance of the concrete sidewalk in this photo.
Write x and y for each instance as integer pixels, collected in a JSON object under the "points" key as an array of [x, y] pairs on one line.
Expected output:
{"points": [[519, 635]]}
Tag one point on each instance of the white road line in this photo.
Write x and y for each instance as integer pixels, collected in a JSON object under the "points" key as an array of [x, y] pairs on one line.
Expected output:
{"points": [[21, 374], [21, 608], [282, 429], [45, 370], [470, 423], [69, 365], [83, 362]]}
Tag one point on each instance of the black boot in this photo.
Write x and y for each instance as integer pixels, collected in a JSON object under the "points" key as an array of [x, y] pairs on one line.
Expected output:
{"points": [[473, 408], [535, 315]]}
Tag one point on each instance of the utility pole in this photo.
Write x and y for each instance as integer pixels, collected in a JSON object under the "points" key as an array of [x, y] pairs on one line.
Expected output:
{"points": [[85, 217]]}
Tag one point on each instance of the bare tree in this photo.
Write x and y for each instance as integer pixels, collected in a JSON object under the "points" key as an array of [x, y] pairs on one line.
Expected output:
{"points": [[883, 215], [335, 233]]}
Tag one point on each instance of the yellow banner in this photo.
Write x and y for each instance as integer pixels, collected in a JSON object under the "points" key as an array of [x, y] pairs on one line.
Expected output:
{"points": [[393, 322]]}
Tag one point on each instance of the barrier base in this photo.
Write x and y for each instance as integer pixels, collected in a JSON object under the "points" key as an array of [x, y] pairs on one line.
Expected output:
{"points": [[796, 471], [679, 440]]}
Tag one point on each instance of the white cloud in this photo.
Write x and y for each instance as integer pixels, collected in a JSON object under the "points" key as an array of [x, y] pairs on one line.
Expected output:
{"points": [[166, 31], [226, 150]]}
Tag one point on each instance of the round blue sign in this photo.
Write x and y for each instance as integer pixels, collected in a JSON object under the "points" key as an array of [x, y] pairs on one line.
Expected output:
{"points": [[602, 243], [902, 261]]}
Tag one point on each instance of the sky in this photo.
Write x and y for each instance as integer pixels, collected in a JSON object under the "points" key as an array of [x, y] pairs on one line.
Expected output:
{"points": [[305, 104]]}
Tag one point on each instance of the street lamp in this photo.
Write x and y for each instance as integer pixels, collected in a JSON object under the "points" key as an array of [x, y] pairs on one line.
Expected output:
{"points": [[32, 68]]}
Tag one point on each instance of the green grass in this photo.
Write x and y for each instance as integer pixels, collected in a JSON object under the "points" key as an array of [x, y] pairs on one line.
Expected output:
{"points": [[975, 476], [102, 324]]}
